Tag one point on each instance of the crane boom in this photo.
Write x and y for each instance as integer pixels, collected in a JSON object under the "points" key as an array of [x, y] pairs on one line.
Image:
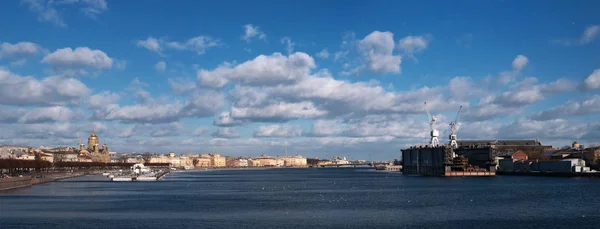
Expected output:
{"points": [[456, 120], [428, 113]]}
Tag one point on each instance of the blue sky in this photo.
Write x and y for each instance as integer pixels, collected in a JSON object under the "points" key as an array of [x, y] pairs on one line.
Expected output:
{"points": [[325, 78]]}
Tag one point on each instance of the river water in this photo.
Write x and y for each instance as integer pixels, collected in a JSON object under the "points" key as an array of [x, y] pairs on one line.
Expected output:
{"points": [[306, 198]]}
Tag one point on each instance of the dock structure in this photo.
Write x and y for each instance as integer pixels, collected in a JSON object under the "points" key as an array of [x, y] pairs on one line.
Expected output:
{"points": [[441, 161]]}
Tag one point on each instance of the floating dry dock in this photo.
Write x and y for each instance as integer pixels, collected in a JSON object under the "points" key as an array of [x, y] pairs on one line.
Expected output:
{"points": [[447, 161]]}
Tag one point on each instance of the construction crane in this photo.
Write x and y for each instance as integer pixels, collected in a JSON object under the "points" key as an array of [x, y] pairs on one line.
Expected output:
{"points": [[434, 142], [454, 128]]}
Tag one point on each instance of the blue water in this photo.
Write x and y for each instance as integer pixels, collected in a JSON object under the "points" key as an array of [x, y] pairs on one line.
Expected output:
{"points": [[306, 198]]}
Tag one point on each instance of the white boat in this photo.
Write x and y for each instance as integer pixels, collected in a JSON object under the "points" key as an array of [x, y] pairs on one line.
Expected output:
{"points": [[105, 174], [121, 179], [146, 178], [111, 176]]}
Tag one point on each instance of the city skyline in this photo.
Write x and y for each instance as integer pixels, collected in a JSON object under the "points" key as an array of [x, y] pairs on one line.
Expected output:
{"points": [[251, 79]]}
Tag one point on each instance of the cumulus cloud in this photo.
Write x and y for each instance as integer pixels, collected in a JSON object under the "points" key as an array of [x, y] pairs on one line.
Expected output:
{"points": [[197, 44], [50, 114], [171, 129], [278, 131], [26, 90], [200, 104], [225, 119], [262, 70], [517, 65], [181, 85], [588, 106], [226, 132], [22, 49], [589, 34], [519, 62], [79, 59], [377, 48], [323, 54], [10, 114], [413, 44], [251, 31], [592, 81], [151, 44], [277, 112], [161, 66]]}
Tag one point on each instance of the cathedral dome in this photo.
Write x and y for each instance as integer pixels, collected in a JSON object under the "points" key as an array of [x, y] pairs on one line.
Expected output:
{"points": [[93, 136]]}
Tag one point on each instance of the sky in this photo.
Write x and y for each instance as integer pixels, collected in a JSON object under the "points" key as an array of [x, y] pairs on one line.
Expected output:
{"points": [[323, 78]]}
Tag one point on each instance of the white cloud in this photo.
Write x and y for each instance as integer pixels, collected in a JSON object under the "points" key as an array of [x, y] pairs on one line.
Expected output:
{"points": [[80, 58], [289, 44], [22, 49], [200, 104], [323, 54], [225, 119], [413, 44], [24, 91], [226, 132], [278, 131], [151, 44], [47, 11], [197, 44], [377, 48], [589, 34], [181, 85], [519, 62], [253, 32], [570, 108], [200, 131], [49, 114], [325, 127], [281, 111], [593, 80], [10, 114], [161, 66], [262, 70], [171, 129]]}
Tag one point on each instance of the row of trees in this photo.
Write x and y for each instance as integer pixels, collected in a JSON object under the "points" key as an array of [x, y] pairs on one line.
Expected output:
{"points": [[15, 166]]}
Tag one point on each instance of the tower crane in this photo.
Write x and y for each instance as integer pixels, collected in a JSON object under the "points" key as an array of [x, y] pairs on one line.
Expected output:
{"points": [[434, 142], [454, 128]]}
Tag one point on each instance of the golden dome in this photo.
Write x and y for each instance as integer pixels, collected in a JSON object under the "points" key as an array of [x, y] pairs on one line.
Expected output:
{"points": [[93, 135]]}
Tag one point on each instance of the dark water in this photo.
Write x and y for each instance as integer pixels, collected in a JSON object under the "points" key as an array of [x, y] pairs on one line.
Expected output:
{"points": [[306, 198]]}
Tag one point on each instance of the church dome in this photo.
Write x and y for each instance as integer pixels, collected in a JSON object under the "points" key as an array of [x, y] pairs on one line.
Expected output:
{"points": [[93, 136]]}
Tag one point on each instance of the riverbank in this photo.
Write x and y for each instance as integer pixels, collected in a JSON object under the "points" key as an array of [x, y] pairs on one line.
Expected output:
{"points": [[22, 182]]}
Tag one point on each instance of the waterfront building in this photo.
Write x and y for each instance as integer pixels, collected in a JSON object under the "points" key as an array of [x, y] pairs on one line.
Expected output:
{"points": [[159, 159], [65, 156], [254, 163], [592, 157], [84, 158], [217, 160], [240, 162], [294, 161], [21, 155], [93, 149], [132, 160], [266, 161], [202, 162]]}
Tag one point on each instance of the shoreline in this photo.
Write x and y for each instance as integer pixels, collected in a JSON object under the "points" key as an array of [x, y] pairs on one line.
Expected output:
{"points": [[23, 182]]}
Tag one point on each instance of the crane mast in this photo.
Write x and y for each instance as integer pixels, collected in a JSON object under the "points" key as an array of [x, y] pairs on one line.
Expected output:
{"points": [[434, 141], [454, 128]]}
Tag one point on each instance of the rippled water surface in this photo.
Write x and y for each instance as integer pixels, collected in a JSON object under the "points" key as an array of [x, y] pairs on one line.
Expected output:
{"points": [[305, 198]]}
